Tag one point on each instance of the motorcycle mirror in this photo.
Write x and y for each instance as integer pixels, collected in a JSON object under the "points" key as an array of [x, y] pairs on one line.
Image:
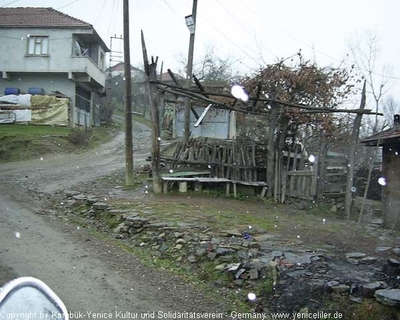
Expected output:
{"points": [[31, 298]]}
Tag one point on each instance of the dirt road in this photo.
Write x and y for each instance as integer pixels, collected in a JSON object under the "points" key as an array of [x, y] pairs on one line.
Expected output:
{"points": [[89, 274]]}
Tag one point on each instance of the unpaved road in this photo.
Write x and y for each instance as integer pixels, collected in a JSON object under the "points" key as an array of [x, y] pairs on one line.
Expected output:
{"points": [[89, 274]]}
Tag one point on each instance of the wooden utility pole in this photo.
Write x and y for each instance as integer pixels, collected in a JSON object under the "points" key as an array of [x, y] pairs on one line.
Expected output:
{"points": [[128, 101], [189, 74], [151, 72], [352, 156], [271, 149]]}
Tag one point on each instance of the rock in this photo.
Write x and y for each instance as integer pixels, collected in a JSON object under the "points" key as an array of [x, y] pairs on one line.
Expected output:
{"points": [[100, 206], [276, 254], [396, 251], [91, 200], [71, 193], [116, 212], [296, 273], [331, 284], [382, 248], [341, 289], [264, 237], [393, 262], [297, 259], [161, 235], [239, 282], [211, 256], [215, 241], [220, 267], [178, 234], [355, 255], [119, 228], [135, 230], [389, 297], [223, 251], [253, 274], [368, 260], [192, 259], [179, 246], [233, 232], [163, 248], [79, 197], [156, 225], [369, 289], [334, 208], [136, 221], [200, 252], [180, 241], [70, 203], [392, 267]]}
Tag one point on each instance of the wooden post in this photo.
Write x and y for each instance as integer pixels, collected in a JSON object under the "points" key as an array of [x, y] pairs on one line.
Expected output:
{"points": [[271, 149], [321, 170], [151, 72], [129, 178], [352, 156]]}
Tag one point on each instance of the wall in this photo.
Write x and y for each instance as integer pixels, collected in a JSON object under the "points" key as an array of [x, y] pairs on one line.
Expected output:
{"points": [[49, 81], [216, 123], [391, 192], [60, 58]]}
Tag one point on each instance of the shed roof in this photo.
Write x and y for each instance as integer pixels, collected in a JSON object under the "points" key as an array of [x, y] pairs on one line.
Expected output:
{"points": [[38, 17], [391, 135]]}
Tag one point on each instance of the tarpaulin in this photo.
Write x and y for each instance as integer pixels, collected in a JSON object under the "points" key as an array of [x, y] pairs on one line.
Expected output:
{"points": [[23, 100], [49, 110], [23, 115]]}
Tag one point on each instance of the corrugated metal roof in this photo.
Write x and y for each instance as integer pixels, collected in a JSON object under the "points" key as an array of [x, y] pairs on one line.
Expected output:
{"points": [[38, 17]]}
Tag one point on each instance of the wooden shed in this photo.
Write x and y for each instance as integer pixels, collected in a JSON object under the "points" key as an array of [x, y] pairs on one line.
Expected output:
{"points": [[390, 141]]}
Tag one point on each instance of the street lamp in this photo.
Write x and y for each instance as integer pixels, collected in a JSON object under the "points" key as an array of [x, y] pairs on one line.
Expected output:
{"points": [[190, 23]]}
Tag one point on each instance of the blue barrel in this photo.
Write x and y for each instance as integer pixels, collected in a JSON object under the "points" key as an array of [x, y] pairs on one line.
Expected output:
{"points": [[8, 91], [36, 91]]}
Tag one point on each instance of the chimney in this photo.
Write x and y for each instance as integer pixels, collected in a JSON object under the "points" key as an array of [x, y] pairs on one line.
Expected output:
{"points": [[396, 122]]}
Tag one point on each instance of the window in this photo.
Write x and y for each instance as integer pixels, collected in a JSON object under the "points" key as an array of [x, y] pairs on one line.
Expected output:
{"points": [[38, 45], [82, 99], [101, 64]]}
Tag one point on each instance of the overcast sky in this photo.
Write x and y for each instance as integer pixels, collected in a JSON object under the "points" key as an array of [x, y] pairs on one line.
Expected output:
{"points": [[250, 32]]}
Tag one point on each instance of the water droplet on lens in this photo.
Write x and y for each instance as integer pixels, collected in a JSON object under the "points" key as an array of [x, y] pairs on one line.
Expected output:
{"points": [[251, 296], [17, 235], [382, 181]]}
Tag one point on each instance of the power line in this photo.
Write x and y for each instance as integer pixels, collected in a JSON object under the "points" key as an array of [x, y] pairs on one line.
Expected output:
{"points": [[68, 4], [313, 48], [252, 33], [7, 4], [230, 40]]}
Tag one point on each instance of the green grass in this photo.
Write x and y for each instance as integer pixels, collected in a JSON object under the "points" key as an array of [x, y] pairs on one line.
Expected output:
{"points": [[21, 142]]}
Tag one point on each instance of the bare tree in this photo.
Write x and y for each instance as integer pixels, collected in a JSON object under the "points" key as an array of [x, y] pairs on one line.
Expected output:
{"points": [[366, 54], [390, 108]]}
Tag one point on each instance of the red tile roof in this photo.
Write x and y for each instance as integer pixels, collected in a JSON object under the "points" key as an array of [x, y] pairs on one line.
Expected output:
{"points": [[38, 17]]}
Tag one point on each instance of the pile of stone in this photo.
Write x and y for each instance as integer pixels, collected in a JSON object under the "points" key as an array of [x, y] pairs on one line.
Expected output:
{"points": [[251, 257]]}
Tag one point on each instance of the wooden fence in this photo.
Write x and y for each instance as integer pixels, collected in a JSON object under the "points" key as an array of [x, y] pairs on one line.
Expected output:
{"points": [[239, 160]]}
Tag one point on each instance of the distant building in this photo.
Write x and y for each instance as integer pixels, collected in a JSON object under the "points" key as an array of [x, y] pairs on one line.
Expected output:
{"points": [[44, 50]]}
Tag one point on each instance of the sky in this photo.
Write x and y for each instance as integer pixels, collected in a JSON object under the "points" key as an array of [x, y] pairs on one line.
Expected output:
{"points": [[251, 33]]}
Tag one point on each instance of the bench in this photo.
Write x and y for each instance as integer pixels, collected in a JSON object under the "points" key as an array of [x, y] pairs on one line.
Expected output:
{"points": [[197, 180], [251, 183]]}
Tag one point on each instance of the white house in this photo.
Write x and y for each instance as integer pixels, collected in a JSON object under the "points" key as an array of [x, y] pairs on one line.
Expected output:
{"points": [[44, 50]]}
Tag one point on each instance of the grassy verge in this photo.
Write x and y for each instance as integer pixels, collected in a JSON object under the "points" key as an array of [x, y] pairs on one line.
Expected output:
{"points": [[21, 142]]}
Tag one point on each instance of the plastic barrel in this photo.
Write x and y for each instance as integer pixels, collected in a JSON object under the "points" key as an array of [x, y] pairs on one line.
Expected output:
{"points": [[36, 91], [8, 91]]}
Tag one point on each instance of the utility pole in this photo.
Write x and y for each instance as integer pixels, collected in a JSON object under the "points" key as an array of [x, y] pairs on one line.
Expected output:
{"points": [[128, 101], [191, 23]]}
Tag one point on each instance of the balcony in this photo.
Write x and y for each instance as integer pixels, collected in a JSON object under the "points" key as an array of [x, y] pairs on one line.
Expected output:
{"points": [[82, 68]]}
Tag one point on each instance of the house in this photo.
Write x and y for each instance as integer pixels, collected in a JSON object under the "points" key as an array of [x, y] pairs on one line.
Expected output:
{"points": [[44, 50], [390, 142]]}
